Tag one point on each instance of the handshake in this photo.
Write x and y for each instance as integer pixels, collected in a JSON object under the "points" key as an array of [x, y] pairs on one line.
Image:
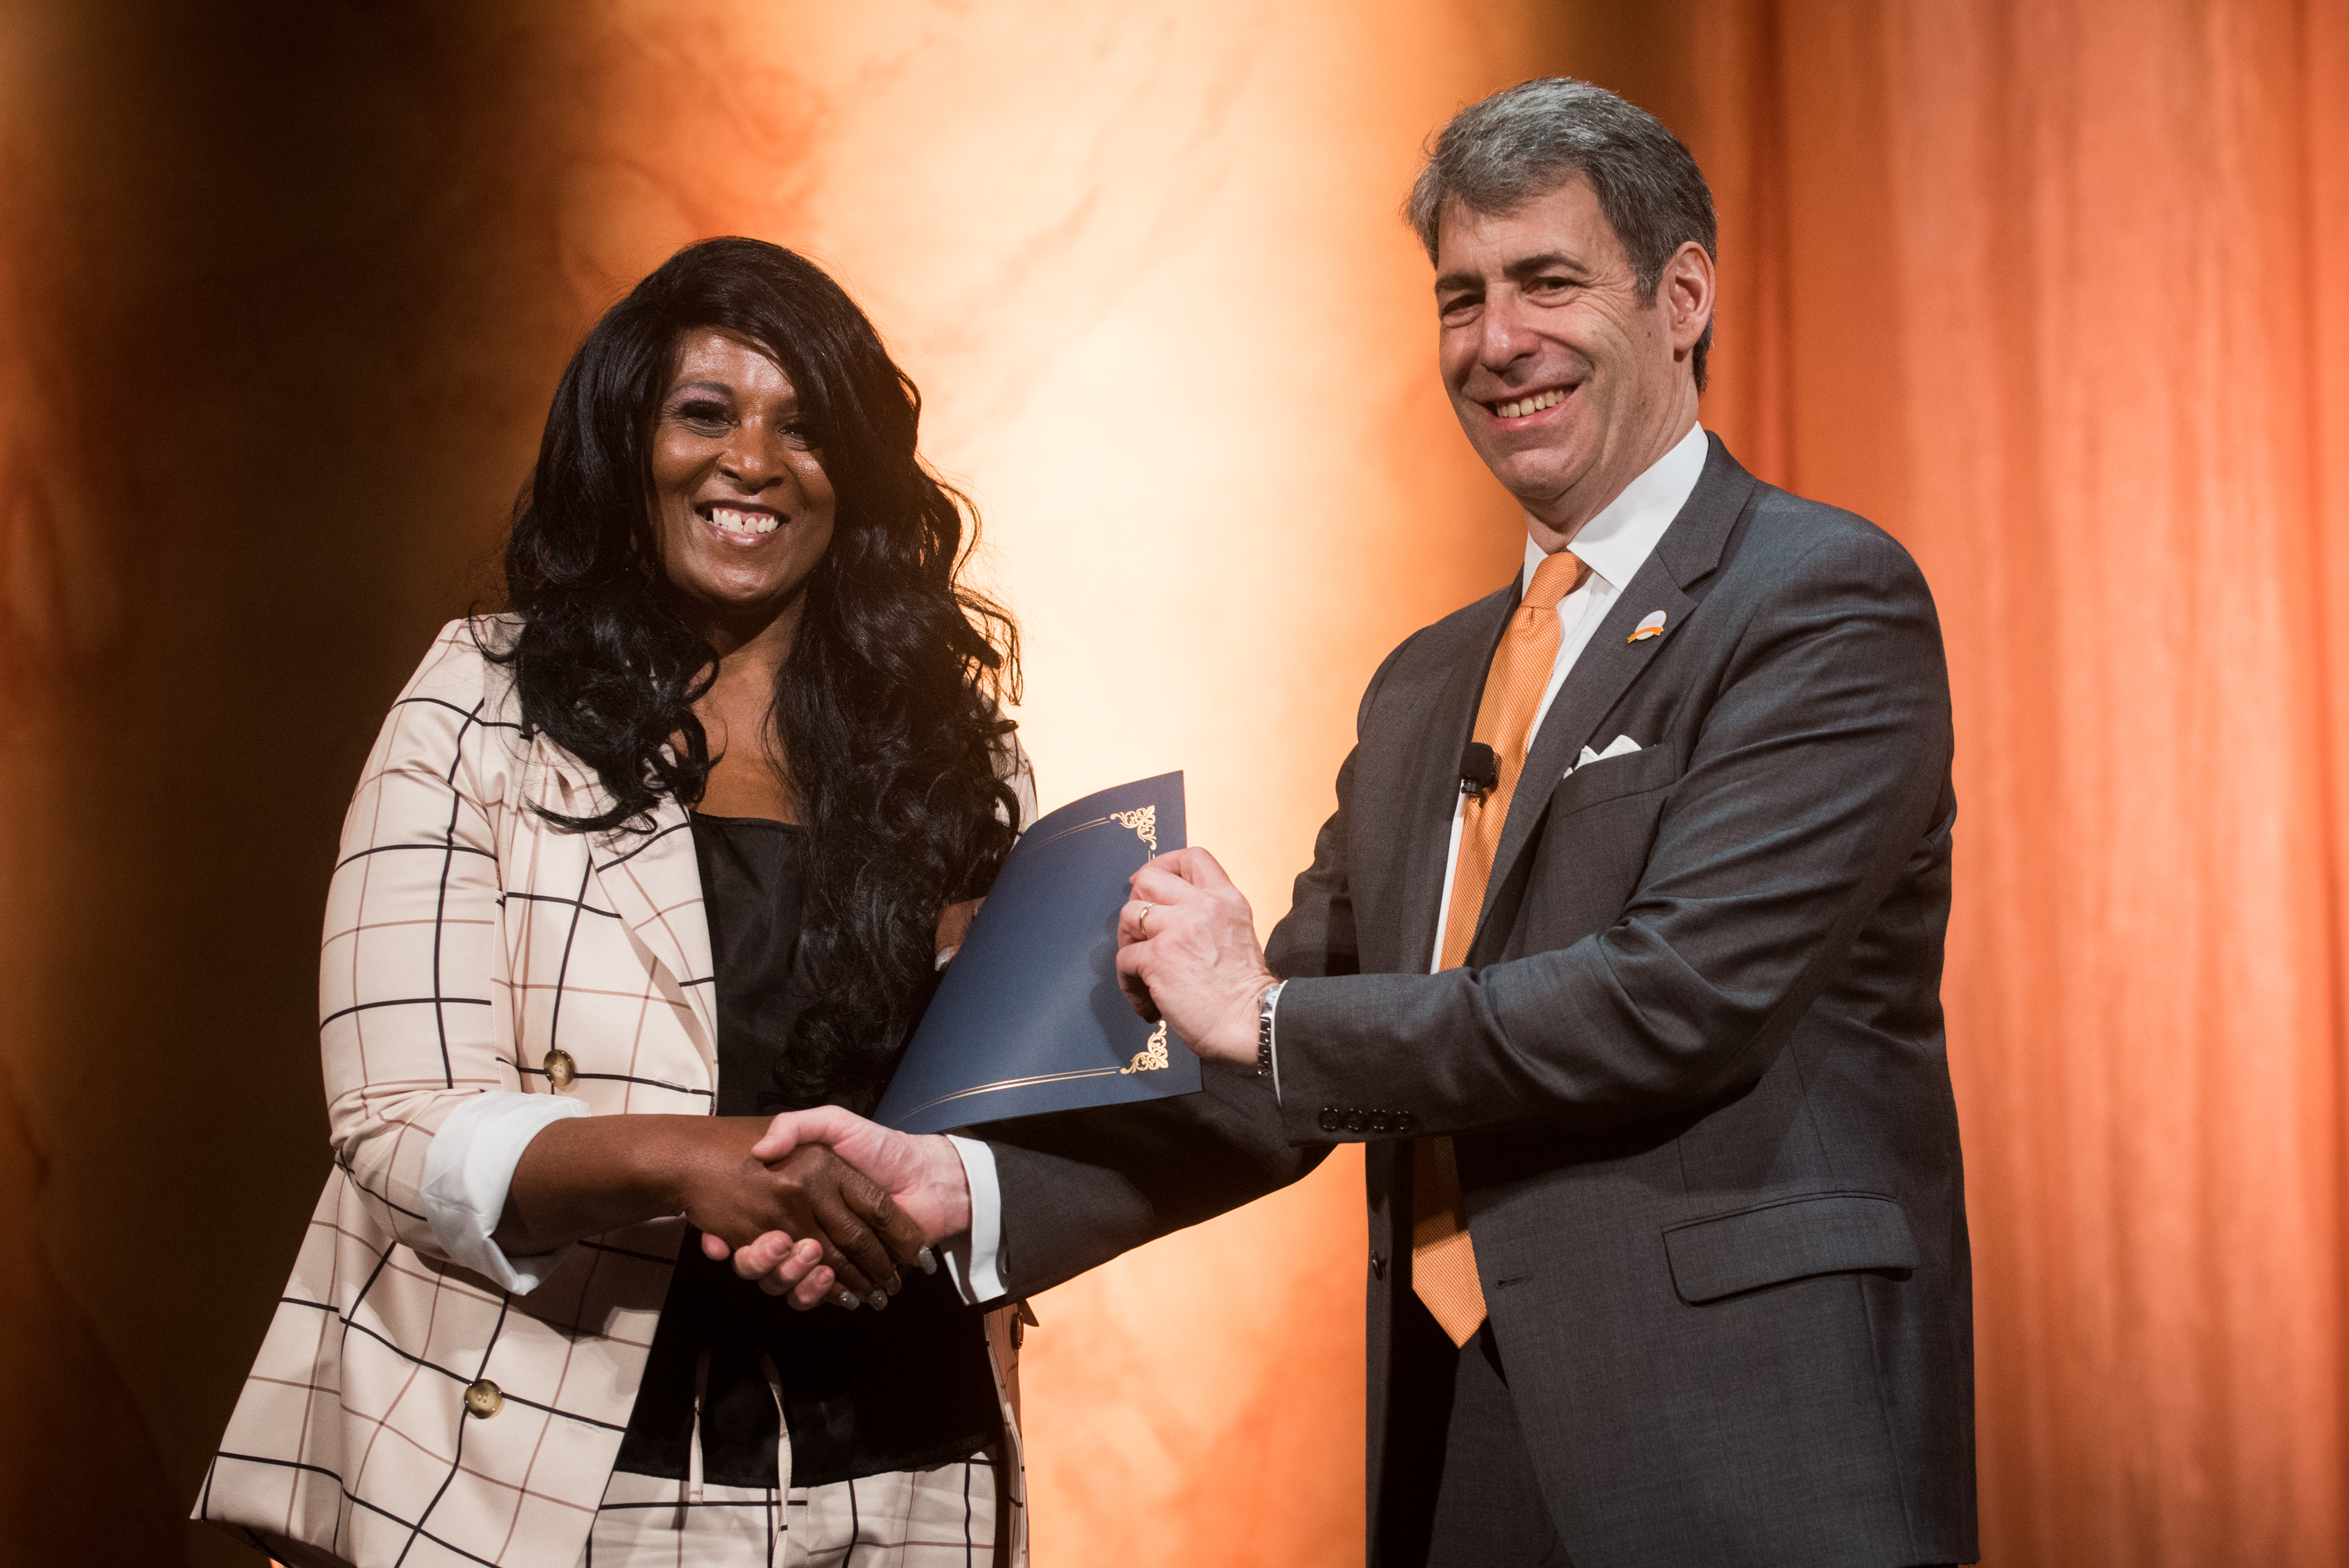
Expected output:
{"points": [[832, 1207], [828, 1206]]}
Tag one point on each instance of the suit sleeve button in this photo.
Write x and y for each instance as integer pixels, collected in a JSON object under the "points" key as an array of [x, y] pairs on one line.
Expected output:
{"points": [[1331, 1120], [1403, 1121], [1378, 1120], [1356, 1121], [483, 1398]]}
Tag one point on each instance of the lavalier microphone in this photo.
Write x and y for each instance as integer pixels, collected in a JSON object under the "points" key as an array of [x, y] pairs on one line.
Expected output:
{"points": [[1479, 769]]}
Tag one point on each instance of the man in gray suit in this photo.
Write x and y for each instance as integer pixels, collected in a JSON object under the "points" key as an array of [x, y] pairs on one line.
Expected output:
{"points": [[1621, 953], [1623, 947]]}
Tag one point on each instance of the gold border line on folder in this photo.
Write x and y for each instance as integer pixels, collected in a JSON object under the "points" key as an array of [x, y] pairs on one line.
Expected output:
{"points": [[1041, 1078], [1075, 828], [1012, 1083]]}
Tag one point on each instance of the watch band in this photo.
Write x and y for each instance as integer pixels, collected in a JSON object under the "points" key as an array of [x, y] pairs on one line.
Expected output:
{"points": [[1264, 1003]]}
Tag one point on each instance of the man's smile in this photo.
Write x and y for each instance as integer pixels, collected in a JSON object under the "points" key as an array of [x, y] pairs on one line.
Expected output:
{"points": [[1525, 405]]}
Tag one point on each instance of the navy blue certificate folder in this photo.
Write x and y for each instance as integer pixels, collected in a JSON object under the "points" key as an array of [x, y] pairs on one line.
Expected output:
{"points": [[1029, 1018]]}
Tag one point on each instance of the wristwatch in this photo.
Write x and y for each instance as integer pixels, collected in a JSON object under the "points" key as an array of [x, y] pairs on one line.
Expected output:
{"points": [[1264, 1005]]}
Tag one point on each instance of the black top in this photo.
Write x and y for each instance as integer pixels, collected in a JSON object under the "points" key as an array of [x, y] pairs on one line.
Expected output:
{"points": [[864, 1392]]}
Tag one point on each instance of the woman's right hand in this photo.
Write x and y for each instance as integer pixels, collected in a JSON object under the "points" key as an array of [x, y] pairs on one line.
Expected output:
{"points": [[809, 1198], [922, 1175], [840, 1229]]}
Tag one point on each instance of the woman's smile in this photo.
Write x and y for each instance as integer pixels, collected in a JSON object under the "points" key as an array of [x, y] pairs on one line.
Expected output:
{"points": [[741, 524]]}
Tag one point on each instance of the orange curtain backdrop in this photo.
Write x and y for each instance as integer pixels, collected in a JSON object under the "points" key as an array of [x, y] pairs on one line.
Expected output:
{"points": [[2054, 292], [2144, 970], [2050, 290]]}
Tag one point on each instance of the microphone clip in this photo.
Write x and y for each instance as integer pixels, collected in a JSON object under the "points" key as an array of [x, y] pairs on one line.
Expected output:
{"points": [[1479, 769]]}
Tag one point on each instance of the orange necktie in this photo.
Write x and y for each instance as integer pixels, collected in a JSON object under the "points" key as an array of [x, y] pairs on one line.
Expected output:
{"points": [[1443, 1258]]}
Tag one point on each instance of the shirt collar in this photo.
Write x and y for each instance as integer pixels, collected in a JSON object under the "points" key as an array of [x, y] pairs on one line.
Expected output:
{"points": [[1616, 542]]}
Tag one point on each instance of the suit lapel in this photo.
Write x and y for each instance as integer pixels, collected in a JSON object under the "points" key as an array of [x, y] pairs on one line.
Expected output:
{"points": [[654, 883], [1434, 791], [1687, 553], [1610, 662]]}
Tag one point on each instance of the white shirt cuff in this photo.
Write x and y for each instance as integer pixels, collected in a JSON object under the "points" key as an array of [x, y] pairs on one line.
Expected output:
{"points": [[467, 1171], [971, 1257]]}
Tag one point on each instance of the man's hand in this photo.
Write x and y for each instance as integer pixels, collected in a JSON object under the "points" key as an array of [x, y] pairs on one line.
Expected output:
{"points": [[1187, 952], [809, 1198], [923, 1178], [590, 1174]]}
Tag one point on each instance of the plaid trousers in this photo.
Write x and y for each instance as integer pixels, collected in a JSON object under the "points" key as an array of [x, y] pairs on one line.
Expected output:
{"points": [[944, 1516]]}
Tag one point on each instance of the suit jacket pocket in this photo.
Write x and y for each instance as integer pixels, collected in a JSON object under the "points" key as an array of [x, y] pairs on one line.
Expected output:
{"points": [[1611, 778], [1589, 855], [1830, 1233]]}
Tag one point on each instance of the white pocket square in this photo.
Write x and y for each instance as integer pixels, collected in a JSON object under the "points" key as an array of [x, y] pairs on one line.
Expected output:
{"points": [[1621, 746]]}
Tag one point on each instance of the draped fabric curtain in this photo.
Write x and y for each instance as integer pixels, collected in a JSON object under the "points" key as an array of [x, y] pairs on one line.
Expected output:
{"points": [[2052, 291]]}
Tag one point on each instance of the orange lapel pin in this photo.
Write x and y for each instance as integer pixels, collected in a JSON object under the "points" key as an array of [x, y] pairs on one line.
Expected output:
{"points": [[1651, 625]]}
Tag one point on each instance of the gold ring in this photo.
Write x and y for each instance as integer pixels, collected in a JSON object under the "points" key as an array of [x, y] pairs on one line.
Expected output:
{"points": [[1142, 921]]}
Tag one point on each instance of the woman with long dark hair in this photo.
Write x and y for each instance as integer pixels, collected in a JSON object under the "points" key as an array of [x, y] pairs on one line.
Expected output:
{"points": [[673, 844]]}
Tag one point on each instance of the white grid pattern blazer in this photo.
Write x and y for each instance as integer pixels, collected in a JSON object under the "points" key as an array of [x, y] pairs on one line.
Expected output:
{"points": [[466, 937]]}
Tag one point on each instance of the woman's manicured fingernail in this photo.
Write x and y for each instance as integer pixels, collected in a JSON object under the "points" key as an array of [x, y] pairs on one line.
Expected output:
{"points": [[879, 1298], [896, 1283], [848, 1300], [928, 1260]]}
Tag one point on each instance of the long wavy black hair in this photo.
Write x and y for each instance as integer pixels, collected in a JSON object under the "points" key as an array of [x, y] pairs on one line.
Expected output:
{"points": [[889, 705]]}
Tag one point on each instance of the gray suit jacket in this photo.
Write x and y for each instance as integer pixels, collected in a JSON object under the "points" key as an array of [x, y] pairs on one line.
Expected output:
{"points": [[1694, 1063]]}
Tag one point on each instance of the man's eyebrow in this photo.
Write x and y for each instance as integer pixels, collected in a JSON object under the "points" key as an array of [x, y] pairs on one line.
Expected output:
{"points": [[1519, 271], [1516, 272]]}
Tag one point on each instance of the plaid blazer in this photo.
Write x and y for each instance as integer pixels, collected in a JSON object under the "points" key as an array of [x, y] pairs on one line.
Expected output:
{"points": [[466, 938]]}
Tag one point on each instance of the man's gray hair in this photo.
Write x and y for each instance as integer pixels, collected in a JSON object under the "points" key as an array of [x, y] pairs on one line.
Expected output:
{"points": [[1497, 155]]}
